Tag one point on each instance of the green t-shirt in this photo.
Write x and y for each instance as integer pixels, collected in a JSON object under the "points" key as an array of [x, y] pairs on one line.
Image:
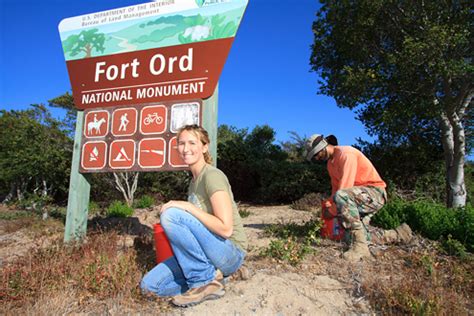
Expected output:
{"points": [[209, 181]]}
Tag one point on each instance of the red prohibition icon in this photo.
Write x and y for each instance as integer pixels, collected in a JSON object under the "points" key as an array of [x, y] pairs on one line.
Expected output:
{"points": [[93, 155], [152, 152], [122, 154], [153, 119]]}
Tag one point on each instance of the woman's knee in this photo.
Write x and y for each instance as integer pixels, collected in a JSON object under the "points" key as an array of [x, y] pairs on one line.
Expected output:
{"points": [[147, 285], [171, 215]]}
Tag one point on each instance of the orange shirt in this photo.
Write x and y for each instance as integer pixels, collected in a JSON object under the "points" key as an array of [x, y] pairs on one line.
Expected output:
{"points": [[348, 167]]}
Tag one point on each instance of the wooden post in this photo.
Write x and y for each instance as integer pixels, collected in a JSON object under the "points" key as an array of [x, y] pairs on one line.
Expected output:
{"points": [[79, 191], [209, 122]]}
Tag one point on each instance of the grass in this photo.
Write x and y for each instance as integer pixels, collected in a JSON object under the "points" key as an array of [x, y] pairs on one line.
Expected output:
{"points": [[432, 284], [99, 269], [101, 276]]}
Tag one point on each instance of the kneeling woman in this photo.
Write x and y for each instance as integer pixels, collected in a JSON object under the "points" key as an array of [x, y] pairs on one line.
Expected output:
{"points": [[205, 232]]}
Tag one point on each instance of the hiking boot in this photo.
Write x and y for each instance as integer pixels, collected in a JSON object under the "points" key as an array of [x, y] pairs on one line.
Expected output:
{"points": [[390, 236], [210, 291], [405, 234], [402, 234], [359, 248], [243, 273]]}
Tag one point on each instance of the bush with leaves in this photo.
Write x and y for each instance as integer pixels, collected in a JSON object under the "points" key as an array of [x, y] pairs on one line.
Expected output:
{"points": [[430, 219], [35, 154], [261, 171], [144, 201], [119, 209]]}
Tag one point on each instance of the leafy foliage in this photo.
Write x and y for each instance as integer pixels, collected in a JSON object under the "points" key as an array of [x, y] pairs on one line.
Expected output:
{"points": [[406, 68], [35, 153], [431, 220], [294, 241], [261, 171], [119, 209], [144, 201]]}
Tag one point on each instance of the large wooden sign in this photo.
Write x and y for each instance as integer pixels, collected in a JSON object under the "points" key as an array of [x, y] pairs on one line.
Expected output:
{"points": [[154, 52], [139, 73]]}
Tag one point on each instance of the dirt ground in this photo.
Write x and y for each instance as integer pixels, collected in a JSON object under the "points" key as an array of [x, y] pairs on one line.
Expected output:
{"points": [[323, 284], [276, 289], [279, 289]]}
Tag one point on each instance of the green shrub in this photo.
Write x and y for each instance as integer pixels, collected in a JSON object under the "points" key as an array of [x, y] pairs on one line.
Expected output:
{"points": [[391, 215], [454, 247], [431, 220], [34, 202], [119, 209], [294, 240], [59, 213], [244, 212], [144, 202], [94, 208], [289, 250], [13, 215]]}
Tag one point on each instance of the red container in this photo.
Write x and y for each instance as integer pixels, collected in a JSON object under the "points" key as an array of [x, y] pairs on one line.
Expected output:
{"points": [[162, 244], [332, 227]]}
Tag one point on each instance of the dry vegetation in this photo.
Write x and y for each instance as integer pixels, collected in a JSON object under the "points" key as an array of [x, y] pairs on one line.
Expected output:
{"points": [[101, 275]]}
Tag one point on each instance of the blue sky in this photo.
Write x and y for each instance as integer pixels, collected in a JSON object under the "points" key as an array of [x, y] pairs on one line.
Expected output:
{"points": [[266, 79]]}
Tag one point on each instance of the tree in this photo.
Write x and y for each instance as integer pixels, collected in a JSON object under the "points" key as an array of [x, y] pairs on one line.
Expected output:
{"points": [[126, 183], [404, 66], [84, 42], [66, 102], [35, 154]]}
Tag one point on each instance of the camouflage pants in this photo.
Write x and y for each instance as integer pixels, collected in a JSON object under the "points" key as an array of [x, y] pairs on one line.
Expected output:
{"points": [[356, 203]]}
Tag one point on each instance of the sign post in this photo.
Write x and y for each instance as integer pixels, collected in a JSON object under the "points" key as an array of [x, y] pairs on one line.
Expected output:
{"points": [[138, 74], [79, 192]]}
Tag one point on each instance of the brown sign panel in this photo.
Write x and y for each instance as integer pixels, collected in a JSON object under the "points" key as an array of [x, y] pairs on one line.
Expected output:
{"points": [[180, 72], [138, 138]]}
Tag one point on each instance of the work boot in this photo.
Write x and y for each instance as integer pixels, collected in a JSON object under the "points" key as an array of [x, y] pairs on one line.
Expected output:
{"points": [[210, 291], [359, 248], [242, 274], [402, 234]]}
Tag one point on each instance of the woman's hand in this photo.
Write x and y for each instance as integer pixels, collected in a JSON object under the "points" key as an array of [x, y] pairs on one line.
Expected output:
{"points": [[184, 205]]}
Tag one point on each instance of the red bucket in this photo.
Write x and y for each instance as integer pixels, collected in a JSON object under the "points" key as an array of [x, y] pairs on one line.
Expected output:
{"points": [[332, 226], [162, 244]]}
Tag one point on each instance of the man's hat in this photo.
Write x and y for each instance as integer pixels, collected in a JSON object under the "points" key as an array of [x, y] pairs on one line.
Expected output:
{"points": [[316, 143]]}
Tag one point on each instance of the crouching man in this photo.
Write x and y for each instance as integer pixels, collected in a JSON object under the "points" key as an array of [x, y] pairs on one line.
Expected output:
{"points": [[357, 192]]}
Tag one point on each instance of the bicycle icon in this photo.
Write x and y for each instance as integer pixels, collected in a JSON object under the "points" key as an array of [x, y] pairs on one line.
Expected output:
{"points": [[153, 118]]}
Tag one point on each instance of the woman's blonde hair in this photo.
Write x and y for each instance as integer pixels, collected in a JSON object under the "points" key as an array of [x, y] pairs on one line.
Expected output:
{"points": [[202, 135]]}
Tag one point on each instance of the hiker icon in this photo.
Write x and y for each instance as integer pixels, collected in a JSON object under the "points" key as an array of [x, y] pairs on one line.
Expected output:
{"points": [[123, 122]]}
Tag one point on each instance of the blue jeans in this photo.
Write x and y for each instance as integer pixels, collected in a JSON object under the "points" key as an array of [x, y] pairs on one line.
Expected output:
{"points": [[198, 252]]}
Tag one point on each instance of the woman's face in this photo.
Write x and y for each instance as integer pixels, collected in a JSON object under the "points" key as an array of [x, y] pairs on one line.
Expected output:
{"points": [[190, 148]]}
